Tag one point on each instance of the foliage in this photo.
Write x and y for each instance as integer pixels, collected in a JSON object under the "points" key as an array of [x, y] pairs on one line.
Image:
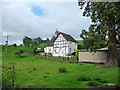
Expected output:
{"points": [[49, 54], [80, 44], [105, 18], [37, 41], [15, 45], [83, 78], [8, 79], [46, 41], [21, 51], [62, 70], [94, 84], [18, 54], [35, 52], [42, 45], [27, 41]]}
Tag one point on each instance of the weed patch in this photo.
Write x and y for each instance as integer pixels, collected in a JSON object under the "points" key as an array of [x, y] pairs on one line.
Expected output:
{"points": [[83, 78], [94, 84], [62, 70]]}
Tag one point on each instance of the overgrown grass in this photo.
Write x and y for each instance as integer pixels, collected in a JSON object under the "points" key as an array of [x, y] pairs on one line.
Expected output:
{"points": [[35, 72]]}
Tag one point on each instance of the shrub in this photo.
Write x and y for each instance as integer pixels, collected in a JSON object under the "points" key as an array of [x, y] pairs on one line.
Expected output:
{"points": [[94, 84], [17, 53], [21, 51], [62, 70], [34, 68], [49, 54], [8, 78], [35, 51], [100, 80], [83, 78], [15, 45]]}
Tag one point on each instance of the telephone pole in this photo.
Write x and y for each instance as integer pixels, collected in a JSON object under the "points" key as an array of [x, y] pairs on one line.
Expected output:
{"points": [[7, 47]]}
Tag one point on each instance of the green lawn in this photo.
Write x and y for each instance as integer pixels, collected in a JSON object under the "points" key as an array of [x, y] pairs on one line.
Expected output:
{"points": [[41, 73]]}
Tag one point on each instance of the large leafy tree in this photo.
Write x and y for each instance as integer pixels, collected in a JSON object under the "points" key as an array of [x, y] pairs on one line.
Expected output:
{"points": [[105, 28], [27, 41], [37, 41]]}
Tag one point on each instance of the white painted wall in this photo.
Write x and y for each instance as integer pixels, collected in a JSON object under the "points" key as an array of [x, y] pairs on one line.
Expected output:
{"points": [[48, 49], [72, 47], [60, 46]]}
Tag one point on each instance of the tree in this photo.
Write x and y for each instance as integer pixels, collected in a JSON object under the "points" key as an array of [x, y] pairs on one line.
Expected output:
{"points": [[47, 40], [37, 41], [15, 45], [105, 18], [27, 41]]}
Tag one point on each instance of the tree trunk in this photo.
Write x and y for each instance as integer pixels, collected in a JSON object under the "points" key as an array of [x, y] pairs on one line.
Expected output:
{"points": [[112, 50]]}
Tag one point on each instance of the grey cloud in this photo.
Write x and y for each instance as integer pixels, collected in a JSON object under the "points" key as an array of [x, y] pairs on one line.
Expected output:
{"points": [[18, 20]]}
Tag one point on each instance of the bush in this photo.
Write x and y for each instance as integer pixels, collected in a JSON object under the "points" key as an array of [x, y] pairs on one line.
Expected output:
{"points": [[17, 53], [35, 51], [15, 45], [8, 78], [83, 78], [49, 54], [62, 70], [21, 51], [94, 84], [100, 80]]}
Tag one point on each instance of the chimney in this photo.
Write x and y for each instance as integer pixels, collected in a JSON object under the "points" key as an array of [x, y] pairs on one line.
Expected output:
{"points": [[56, 32]]}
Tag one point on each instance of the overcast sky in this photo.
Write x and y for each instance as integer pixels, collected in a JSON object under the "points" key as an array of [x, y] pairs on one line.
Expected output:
{"points": [[40, 19]]}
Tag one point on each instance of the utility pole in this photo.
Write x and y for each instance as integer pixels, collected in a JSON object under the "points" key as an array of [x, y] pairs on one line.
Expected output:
{"points": [[7, 47]]}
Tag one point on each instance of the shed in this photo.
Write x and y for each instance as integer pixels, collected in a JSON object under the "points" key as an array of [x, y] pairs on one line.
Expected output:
{"points": [[96, 57], [99, 56]]}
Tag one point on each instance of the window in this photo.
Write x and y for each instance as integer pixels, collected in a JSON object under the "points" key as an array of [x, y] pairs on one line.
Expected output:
{"points": [[70, 50], [74, 50], [49, 50], [70, 42]]}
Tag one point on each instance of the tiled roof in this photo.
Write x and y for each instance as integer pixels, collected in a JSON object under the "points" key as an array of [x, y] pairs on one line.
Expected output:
{"points": [[66, 36]]}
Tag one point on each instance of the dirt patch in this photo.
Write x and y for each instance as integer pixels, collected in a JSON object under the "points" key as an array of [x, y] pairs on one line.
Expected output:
{"points": [[102, 66], [31, 86], [106, 87]]}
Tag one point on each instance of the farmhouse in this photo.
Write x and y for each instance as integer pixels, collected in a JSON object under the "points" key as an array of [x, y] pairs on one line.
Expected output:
{"points": [[61, 45]]}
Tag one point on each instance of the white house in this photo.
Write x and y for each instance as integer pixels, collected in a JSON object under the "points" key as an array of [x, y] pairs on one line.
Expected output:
{"points": [[61, 45]]}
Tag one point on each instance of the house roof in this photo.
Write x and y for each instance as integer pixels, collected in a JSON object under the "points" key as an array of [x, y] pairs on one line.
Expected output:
{"points": [[51, 43], [66, 36]]}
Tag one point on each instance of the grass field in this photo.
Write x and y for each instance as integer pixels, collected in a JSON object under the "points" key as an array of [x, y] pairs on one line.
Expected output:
{"points": [[32, 71]]}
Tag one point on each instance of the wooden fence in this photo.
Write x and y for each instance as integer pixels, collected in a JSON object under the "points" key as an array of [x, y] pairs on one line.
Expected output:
{"points": [[58, 58]]}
